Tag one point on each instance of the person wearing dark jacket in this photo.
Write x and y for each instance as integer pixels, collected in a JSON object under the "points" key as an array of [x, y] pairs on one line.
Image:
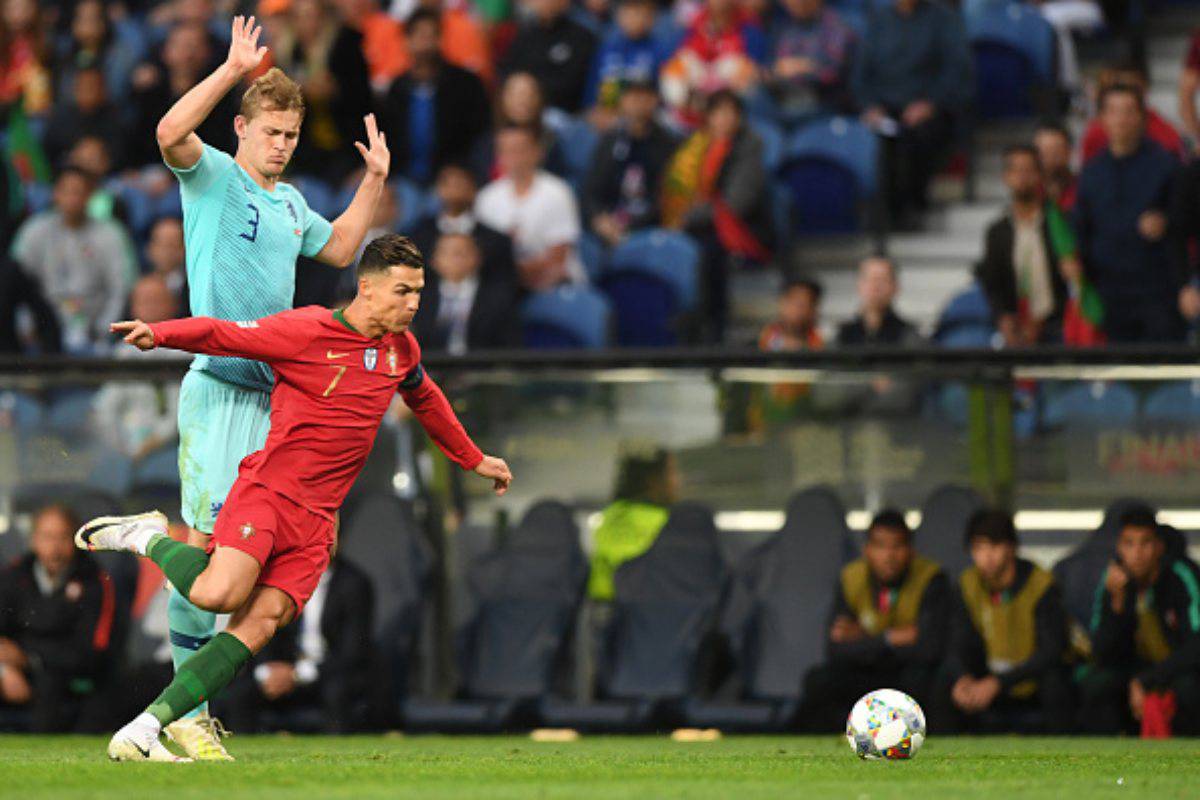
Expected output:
{"points": [[462, 309], [1020, 267], [57, 612], [912, 78], [622, 189], [322, 660], [19, 290], [435, 111], [1145, 634], [557, 50], [1123, 226], [887, 626], [1006, 666]]}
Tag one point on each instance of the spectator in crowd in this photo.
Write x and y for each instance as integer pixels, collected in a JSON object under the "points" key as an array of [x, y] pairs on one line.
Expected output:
{"points": [[138, 418], [165, 258], [629, 54], [465, 42], [461, 309], [1156, 128], [84, 265], [520, 103], [89, 113], [623, 186], [1145, 635], [1122, 225], [536, 209], [648, 483], [797, 326], [435, 111], [57, 611], [887, 625], [90, 154], [1020, 269], [1053, 144], [912, 78], [877, 322], [1008, 639], [383, 42], [19, 291], [326, 58], [556, 50], [94, 41], [456, 192], [715, 188], [811, 49], [1189, 84], [184, 60], [724, 49], [25, 57], [324, 660]]}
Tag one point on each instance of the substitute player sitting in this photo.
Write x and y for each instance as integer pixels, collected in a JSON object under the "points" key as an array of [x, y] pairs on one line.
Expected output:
{"points": [[335, 375]]}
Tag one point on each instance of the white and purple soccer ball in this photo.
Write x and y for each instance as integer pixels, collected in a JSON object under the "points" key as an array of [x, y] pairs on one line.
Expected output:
{"points": [[886, 724]]}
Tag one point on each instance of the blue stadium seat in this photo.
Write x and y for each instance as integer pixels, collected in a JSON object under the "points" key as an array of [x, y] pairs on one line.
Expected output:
{"points": [[1091, 405], [830, 168], [968, 307], [24, 412], [650, 279], [1014, 50], [1176, 402], [772, 137], [69, 410], [566, 317], [577, 141], [593, 254]]}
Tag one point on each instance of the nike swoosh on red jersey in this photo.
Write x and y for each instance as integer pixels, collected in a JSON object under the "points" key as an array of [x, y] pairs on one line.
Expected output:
{"points": [[331, 354]]}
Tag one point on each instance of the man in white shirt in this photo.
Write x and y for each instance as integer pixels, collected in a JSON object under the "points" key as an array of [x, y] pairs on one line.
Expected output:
{"points": [[536, 209]]}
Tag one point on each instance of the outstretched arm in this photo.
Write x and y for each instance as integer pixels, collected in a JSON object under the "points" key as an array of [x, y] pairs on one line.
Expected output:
{"points": [[176, 132], [350, 228], [269, 339], [438, 419]]}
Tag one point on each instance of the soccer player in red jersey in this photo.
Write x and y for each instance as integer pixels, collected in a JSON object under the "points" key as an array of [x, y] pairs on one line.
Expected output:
{"points": [[335, 375]]}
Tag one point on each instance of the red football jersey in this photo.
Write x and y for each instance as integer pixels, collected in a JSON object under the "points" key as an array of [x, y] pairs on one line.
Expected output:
{"points": [[332, 387]]}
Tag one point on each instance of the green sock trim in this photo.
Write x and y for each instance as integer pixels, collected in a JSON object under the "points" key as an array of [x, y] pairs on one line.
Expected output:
{"points": [[180, 562], [200, 677]]}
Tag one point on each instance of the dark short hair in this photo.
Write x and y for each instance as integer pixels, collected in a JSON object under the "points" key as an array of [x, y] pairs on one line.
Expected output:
{"points": [[61, 509], [387, 251], [1020, 150], [893, 520], [811, 286], [1122, 88], [722, 97], [992, 524], [456, 166], [423, 16], [640, 465], [69, 169], [1138, 515], [1056, 127]]}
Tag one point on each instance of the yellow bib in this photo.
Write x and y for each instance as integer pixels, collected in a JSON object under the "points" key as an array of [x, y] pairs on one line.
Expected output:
{"points": [[1008, 629], [856, 589]]}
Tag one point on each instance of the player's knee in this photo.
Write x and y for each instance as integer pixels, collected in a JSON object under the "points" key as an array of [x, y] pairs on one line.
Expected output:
{"points": [[219, 597], [257, 630]]}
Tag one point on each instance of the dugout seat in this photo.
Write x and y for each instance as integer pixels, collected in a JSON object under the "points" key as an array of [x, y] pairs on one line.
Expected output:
{"points": [[510, 650], [664, 624], [944, 517], [650, 280], [1177, 402], [831, 169], [1094, 404], [777, 614]]}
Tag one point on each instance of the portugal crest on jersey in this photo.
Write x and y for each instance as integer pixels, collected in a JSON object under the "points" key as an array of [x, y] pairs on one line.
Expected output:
{"points": [[370, 358]]}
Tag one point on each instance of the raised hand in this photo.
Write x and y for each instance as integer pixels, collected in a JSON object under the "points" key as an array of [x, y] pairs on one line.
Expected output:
{"points": [[136, 333], [244, 52], [375, 152], [497, 470]]}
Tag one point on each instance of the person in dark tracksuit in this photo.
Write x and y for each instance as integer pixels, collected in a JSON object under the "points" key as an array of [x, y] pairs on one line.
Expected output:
{"points": [[887, 626], [1006, 667], [1145, 634]]}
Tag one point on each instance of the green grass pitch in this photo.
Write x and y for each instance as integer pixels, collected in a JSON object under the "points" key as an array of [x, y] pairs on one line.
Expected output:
{"points": [[645, 768]]}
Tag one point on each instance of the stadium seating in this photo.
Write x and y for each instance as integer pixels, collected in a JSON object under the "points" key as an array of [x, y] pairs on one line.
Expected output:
{"points": [[830, 168], [1014, 50], [944, 516], [1177, 402], [566, 317], [594, 255], [650, 279], [777, 615], [1090, 405], [510, 649], [664, 614], [968, 310], [577, 140]]}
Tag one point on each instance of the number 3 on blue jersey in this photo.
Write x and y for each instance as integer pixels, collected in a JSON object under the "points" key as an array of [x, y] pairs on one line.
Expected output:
{"points": [[253, 223]]}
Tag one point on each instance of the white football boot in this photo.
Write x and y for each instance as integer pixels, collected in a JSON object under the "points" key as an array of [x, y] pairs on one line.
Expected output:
{"points": [[200, 737], [131, 533], [138, 741]]}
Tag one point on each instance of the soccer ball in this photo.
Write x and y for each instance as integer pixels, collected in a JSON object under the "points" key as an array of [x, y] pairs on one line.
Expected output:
{"points": [[886, 724]]}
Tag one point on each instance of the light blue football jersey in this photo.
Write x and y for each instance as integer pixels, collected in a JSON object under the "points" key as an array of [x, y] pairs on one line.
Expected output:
{"points": [[242, 243]]}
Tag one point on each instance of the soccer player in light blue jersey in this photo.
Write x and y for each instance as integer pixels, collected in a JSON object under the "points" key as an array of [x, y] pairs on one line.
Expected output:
{"points": [[243, 230]]}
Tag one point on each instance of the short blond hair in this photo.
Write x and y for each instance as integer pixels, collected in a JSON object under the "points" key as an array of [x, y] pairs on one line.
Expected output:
{"points": [[273, 91]]}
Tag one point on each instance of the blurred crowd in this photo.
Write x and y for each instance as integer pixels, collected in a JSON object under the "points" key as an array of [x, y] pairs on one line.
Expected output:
{"points": [[530, 139]]}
